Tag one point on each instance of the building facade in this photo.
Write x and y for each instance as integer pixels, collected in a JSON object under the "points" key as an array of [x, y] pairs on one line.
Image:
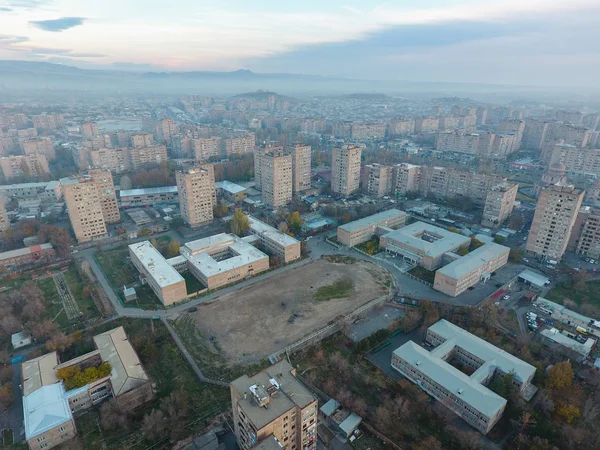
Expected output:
{"points": [[378, 179], [207, 148], [34, 165], [345, 169], [276, 178], [197, 194], [35, 254], [301, 167], [362, 230], [240, 145], [499, 204], [274, 242]]}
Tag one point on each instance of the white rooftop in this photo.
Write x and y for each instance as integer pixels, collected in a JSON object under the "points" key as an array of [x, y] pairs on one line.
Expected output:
{"points": [[474, 393], [563, 310], [148, 191], [199, 253], [483, 350], [156, 264], [472, 261], [18, 337], [230, 187], [555, 335], [534, 278], [271, 233], [410, 236], [375, 219], [45, 409]]}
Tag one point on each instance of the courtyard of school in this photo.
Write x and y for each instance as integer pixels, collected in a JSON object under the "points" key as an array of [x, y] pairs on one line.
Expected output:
{"points": [[249, 324]]}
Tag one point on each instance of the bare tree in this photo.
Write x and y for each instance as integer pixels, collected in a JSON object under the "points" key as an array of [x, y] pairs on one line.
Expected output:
{"points": [[112, 416]]}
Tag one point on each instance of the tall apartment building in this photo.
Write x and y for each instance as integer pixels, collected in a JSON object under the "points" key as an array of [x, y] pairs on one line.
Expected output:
{"points": [[573, 117], [42, 146], [481, 115], [4, 222], [141, 156], [28, 133], [13, 121], [499, 204], [568, 134], [576, 159], [206, 148], [142, 140], [28, 165], [301, 167], [426, 124], [197, 194], [449, 123], [585, 238], [89, 130], [271, 404], [378, 179], [240, 145], [535, 134], [259, 152], [402, 126], [504, 144], [486, 143], [368, 130], [276, 178], [106, 191], [84, 201], [166, 128], [342, 130], [121, 159], [591, 121], [48, 121], [445, 182], [407, 178], [468, 123], [513, 126], [458, 142], [555, 214], [345, 169]]}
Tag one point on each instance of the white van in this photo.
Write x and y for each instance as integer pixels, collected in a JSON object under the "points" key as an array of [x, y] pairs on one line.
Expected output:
{"points": [[546, 310]]}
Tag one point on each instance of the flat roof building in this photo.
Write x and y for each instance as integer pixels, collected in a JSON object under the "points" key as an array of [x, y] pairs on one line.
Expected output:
{"points": [[230, 191], [423, 244], [569, 346], [168, 284], [28, 255], [362, 230], [499, 204], [274, 241], [197, 194], [148, 196], [345, 169], [273, 403], [466, 396]]}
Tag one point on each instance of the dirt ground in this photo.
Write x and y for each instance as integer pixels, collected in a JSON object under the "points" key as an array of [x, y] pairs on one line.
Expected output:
{"points": [[256, 321]]}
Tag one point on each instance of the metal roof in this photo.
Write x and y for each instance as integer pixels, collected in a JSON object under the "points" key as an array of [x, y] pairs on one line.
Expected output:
{"points": [[375, 219], [472, 261], [410, 236], [45, 409], [534, 278], [148, 191], [24, 251], [230, 187], [273, 234]]}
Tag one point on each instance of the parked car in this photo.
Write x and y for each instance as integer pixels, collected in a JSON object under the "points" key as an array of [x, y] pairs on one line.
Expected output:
{"points": [[506, 297]]}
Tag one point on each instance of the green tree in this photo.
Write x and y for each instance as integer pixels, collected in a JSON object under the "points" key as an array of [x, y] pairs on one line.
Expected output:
{"points": [[463, 251], [475, 244], [239, 223], [516, 254], [221, 210], [560, 375], [499, 239], [295, 222], [173, 249]]}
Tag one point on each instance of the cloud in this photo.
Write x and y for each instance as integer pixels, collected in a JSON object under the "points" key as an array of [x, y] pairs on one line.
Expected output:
{"points": [[4, 9], [26, 4], [56, 25], [8, 40]]}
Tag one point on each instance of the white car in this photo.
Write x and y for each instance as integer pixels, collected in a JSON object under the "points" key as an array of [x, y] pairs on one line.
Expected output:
{"points": [[506, 297], [525, 260]]}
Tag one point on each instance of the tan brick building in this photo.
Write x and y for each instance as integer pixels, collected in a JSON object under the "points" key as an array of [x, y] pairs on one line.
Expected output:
{"points": [[197, 194], [458, 142], [555, 215], [206, 148], [402, 126], [13, 259], [274, 404], [142, 140], [407, 178], [108, 197], [43, 146], [28, 165], [585, 238], [427, 124], [535, 134], [301, 167], [114, 159], [361, 230], [345, 169], [369, 130], [4, 222], [89, 130], [276, 178], [274, 242], [378, 179], [240, 145], [141, 156], [499, 204], [48, 121]]}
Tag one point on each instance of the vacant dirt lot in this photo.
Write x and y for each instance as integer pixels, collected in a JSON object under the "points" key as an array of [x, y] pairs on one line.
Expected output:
{"points": [[258, 320]]}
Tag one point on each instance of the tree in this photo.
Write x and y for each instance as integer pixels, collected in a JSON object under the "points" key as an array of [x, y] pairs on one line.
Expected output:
{"points": [[569, 412], [58, 237], [560, 375], [112, 416], [154, 243], [6, 396], [516, 254], [125, 182], [371, 247], [221, 210], [283, 227], [499, 239], [516, 222], [475, 244], [6, 374], [173, 249], [239, 223], [429, 443], [463, 251], [59, 342], [579, 280], [42, 329], [346, 218], [295, 222], [153, 424]]}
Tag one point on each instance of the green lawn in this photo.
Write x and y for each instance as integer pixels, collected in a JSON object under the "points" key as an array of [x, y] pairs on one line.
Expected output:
{"points": [[146, 298], [54, 308], [77, 285], [191, 282], [566, 290], [339, 289], [423, 274], [115, 267], [207, 353]]}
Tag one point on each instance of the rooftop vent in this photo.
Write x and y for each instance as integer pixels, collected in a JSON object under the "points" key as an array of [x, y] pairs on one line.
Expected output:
{"points": [[460, 391]]}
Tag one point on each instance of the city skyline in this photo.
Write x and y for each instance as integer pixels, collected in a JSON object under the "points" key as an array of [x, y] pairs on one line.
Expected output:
{"points": [[505, 42]]}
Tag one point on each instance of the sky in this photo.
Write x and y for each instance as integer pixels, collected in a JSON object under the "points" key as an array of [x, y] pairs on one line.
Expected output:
{"points": [[527, 42]]}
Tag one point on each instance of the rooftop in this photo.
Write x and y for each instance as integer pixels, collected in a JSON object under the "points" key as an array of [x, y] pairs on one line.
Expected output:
{"points": [[148, 191], [563, 310], [200, 253], [372, 220], [156, 264], [45, 409], [555, 335], [534, 278], [483, 350], [6, 187], [230, 187], [127, 371], [270, 443], [24, 251], [39, 372], [271, 233], [286, 393], [472, 261], [411, 236]]}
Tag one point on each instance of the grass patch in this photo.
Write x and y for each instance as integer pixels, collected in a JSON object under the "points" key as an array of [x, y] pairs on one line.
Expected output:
{"points": [[371, 246], [339, 289], [76, 285], [423, 274], [54, 307], [7, 437], [207, 353], [566, 290], [115, 266]]}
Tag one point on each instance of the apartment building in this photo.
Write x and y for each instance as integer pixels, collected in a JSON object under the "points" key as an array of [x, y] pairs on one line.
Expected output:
{"points": [[368, 130], [89, 130], [585, 161], [468, 123], [206, 148], [276, 178], [345, 169], [504, 144], [301, 167], [458, 142], [89, 206], [271, 404], [48, 121], [585, 237], [443, 182], [148, 197], [231, 192], [240, 145], [14, 259], [572, 117], [407, 178], [259, 152], [362, 230], [166, 128], [535, 133], [141, 140], [449, 123], [499, 204], [224, 259], [591, 121], [48, 407], [274, 242], [481, 114], [141, 156], [24, 166], [197, 194], [486, 143], [4, 222], [466, 396], [568, 134], [166, 282], [402, 126], [43, 146], [555, 214], [455, 278], [13, 121], [114, 159], [426, 124], [513, 126], [378, 179], [45, 191]]}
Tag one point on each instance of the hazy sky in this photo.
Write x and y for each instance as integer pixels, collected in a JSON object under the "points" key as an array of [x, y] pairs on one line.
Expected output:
{"points": [[495, 41]]}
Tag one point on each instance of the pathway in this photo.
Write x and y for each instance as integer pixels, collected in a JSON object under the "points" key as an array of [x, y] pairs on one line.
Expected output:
{"points": [[69, 304]]}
